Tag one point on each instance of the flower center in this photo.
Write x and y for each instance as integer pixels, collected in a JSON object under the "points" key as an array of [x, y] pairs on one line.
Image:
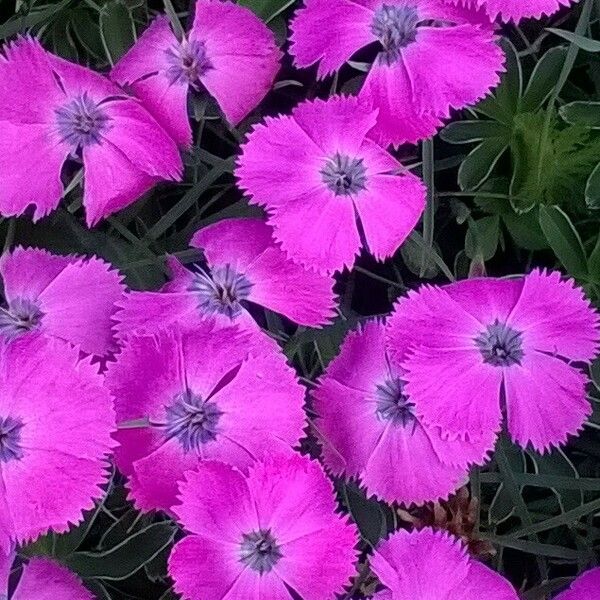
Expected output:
{"points": [[10, 439], [192, 421], [343, 175], [188, 62], [259, 551], [395, 27], [18, 318], [81, 122], [392, 403], [500, 345], [221, 291]]}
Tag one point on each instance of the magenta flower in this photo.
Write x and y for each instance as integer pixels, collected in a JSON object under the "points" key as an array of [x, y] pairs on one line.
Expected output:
{"points": [[52, 110], [585, 587], [369, 430], [482, 344], [432, 58], [319, 176], [245, 267], [203, 393], [259, 535], [229, 52], [515, 10], [431, 564], [46, 580], [56, 420], [65, 297]]}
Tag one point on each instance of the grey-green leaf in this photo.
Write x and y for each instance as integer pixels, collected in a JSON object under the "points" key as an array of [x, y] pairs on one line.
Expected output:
{"points": [[116, 29], [586, 114], [543, 79], [478, 165], [580, 41]]}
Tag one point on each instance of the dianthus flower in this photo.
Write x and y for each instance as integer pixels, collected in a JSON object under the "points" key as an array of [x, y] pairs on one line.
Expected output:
{"points": [[205, 392], [484, 346], [585, 587], [368, 427], [65, 297], [56, 420], [244, 268], [427, 564], [515, 10], [432, 57], [50, 110], [229, 52], [45, 580], [328, 188], [262, 534]]}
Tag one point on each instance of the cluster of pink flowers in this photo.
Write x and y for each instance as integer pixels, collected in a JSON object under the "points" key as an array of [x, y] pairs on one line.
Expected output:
{"points": [[197, 405]]}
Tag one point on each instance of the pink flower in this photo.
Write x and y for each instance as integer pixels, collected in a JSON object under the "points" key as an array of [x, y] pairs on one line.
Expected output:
{"points": [[515, 10], [433, 57], [51, 110], [200, 393], [56, 420], [369, 430], [258, 535], [65, 297], [245, 268], [483, 343], [46, 580], [229, 52], [427, 564], [585, 587], [318, 175]]}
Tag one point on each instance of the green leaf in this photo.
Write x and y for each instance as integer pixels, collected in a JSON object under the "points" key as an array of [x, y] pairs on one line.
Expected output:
{"points": [[543, 79], [580, 41], [20, 23], [117, 29], [592, 189], [525, 229], [594, 265], [482, 238], [267, 9], [127, 558], [367, 513], [465, 132], [563, 239], [478, 165], [585, 114]]}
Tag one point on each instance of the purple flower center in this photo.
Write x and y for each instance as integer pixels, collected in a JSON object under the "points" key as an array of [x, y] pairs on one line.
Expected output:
{"points": [[343, 175], [393, 405], [259, 551], [500, 345], [221, 291], [192, 420], [81, 122], [20, 317], [395, 27], [10, 439], [188, 62]]}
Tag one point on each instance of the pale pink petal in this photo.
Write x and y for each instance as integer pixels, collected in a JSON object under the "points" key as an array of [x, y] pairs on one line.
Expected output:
{"points": [[423, 477], [389, 210], [31, 159], [455, 390], [545, 401], [555, 317], [46, 580], [78, 305], [111, 182], [339, 124], [28, 90], [237, 242], [243, 53], [451, 67], [328, 240], [205, 569], [278, 151], [387, 88], [216, 503], [304, 296], [585, 587], [329, 33]]}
